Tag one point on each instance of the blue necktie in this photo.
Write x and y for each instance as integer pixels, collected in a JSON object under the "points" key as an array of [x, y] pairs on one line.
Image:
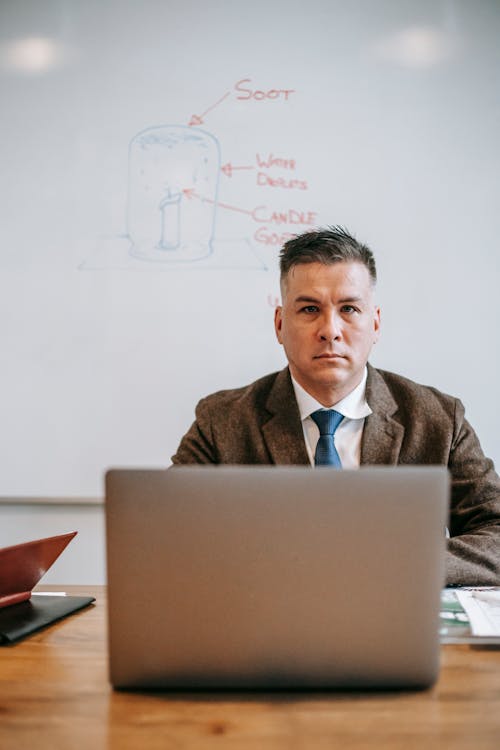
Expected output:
{"points": [[326, 453]]}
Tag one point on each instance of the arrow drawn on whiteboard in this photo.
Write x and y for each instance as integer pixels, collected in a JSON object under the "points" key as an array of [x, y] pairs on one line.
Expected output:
{"points": [[198, 119], [191, 193], [228, 169]]}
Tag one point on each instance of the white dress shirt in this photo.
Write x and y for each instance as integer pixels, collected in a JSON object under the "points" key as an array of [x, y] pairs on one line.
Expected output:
{"points": [[353, 407]]}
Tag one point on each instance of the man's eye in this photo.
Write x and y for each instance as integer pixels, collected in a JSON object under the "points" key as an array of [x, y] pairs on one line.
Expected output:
{"points": [[310, 309], [349, 309]]}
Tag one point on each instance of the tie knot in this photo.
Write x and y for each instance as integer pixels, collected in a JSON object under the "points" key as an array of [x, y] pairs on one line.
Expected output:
{"points": [[327, 420]]}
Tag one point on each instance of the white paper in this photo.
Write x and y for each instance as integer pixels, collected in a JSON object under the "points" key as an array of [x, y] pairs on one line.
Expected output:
{"points": [[483, 610]]}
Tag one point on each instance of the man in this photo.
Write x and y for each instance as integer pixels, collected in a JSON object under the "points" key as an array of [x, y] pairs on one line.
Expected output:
{"points": [[327, 324]]}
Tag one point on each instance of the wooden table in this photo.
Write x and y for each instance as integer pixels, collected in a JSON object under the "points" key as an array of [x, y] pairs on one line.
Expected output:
{"points": [[54, 694]]}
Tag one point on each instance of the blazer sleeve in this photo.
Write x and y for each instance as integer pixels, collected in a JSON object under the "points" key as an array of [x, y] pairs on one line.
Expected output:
{"points": [[473, 556], [197, 446]]}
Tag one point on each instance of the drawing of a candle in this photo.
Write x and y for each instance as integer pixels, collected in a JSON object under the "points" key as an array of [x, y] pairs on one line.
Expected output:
{"points": [[170, 222], [172, 193]]}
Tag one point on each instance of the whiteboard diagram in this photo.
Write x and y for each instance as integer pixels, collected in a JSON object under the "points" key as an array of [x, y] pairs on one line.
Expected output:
{"points": [[173, 205], [167, 165]]}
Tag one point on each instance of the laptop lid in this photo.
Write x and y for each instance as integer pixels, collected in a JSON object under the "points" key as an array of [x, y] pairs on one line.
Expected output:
{"points": [[275, 577], [23, 565]]}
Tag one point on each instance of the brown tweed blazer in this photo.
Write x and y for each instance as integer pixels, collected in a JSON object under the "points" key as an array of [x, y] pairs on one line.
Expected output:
{"points": [[410, 424]]}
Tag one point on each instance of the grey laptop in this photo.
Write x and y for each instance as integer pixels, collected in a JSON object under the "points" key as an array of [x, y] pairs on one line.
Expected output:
{"points": [[275, 577]]}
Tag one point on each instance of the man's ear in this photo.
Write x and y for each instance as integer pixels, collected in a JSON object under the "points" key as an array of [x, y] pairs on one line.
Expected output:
{"points": [[278, 322], [376, 325]]}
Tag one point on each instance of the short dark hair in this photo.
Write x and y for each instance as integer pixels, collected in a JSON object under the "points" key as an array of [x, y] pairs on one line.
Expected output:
{"points": [[331, 245]]}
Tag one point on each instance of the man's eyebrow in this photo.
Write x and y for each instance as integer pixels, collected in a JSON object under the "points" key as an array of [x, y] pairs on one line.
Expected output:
{"points": [[305, 298], [350, 299]]}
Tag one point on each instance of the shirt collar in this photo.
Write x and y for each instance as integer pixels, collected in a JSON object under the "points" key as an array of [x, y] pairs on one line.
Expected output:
{"points": [[352, 406]]}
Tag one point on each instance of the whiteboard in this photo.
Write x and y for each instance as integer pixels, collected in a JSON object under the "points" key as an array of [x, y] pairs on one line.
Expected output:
{"points": [[154, 157]]}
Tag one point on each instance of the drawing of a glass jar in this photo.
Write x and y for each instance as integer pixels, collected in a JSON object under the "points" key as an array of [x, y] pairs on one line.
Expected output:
{"points": [[172, 193]]}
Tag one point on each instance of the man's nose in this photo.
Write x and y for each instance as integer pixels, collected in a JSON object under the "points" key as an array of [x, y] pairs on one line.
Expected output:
{"points": [[330, 329]]}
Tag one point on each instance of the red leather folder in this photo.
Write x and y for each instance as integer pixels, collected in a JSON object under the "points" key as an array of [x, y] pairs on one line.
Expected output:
{"points": [[22, 566]]}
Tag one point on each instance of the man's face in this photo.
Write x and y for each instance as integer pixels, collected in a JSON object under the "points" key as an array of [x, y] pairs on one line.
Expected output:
{"points": [[328, 324]]}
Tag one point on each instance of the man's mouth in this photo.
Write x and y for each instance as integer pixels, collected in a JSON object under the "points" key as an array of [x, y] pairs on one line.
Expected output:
{"points": [[329, 356]]}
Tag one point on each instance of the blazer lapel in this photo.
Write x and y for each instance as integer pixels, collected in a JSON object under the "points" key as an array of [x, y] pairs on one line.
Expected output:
{"points": [[282, 431], [382, 435]]}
